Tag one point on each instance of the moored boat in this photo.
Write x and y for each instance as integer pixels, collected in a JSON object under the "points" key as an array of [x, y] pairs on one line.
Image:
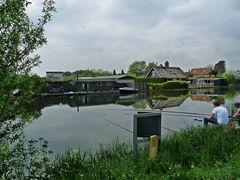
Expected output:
{"points": [[127, 90]]}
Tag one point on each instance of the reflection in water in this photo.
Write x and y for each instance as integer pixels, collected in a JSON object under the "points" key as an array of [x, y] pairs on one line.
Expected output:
{"points": [[169, 102], [167, 99], [88, 100], [84, 121], [21, 158]]}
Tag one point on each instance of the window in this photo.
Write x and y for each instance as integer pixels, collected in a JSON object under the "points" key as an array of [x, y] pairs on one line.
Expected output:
{"points": [[153, 73], [109, 84], [99, 83]]}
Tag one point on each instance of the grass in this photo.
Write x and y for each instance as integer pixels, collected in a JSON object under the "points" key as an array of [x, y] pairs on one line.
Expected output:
{"points": [[195, 153]]}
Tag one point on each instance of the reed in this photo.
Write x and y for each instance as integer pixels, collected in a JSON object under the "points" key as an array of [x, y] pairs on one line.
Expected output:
{"points": [[207, 152]]}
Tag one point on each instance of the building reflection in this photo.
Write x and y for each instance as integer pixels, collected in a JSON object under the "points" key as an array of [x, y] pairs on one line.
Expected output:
{"points": [[207, 94], [87, 100], [169, 102]]}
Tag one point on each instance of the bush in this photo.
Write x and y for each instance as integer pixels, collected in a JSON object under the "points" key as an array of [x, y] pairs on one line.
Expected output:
{"points": [[151, 80], [169, 85], [230, 77]]}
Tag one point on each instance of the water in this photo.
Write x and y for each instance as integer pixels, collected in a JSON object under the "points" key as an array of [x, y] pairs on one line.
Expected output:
{"points": [[86, 121]]}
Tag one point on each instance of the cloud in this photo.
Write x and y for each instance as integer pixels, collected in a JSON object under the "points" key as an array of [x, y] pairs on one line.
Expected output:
{"points": [[110, 34]]}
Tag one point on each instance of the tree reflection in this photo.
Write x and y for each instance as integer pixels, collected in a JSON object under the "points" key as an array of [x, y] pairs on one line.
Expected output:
{"points": [[20, 158]]}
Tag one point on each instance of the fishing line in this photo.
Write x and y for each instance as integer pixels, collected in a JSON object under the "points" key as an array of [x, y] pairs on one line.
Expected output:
{"points": [[115, 124], [182, 115], [175, 112]]}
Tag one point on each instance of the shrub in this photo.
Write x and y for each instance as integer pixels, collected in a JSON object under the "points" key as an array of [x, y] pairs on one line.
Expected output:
{"points": [[169, 85], [151, 80]]}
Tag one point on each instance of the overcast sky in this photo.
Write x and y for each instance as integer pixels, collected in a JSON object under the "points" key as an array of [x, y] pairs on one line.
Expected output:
{"points": [[111, 34]]}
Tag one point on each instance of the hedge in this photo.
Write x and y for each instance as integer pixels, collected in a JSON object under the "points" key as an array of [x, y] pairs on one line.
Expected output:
{"points": [[151, 80], [169, 85]]}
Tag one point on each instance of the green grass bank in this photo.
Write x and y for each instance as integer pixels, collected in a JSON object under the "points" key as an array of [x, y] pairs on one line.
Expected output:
{"points": [[194, 153]]}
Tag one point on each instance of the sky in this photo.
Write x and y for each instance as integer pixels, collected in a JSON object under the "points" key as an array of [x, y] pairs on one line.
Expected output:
{"points": [[111, 34]]}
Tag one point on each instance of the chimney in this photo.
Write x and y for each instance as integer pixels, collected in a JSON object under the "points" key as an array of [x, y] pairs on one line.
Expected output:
{"points": [[166, 64]]}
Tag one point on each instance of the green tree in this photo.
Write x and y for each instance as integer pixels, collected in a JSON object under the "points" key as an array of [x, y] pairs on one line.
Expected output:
{"points": [[220, 67], [19, 38], [67, 73], [137, 68], [150, 65], [229, 77]]}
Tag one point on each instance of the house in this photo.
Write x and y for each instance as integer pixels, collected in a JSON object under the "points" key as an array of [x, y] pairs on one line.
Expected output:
{"points": [[166, 72], [202, 71], [103, 83], [206, 82], [54, 74]]}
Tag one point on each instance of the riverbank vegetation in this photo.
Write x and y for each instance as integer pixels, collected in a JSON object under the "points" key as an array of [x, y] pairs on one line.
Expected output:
{"points": [[168, 85], [211, 152], [85, 73], [195, 153], [20, 37]]}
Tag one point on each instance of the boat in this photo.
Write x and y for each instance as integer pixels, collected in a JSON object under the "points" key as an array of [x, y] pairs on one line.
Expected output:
{"points": [[127, 90]]}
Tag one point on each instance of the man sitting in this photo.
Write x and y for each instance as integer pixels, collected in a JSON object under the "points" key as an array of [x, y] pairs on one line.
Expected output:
{"points": [[219, 114]]}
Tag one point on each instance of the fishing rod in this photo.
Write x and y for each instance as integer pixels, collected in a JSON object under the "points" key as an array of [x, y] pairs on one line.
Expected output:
{"points": [[180, 112], [155, 110], [182, 115]]}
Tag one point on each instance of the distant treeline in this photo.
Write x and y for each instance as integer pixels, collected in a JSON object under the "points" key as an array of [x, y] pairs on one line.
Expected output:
{"points": [[88, 73]]}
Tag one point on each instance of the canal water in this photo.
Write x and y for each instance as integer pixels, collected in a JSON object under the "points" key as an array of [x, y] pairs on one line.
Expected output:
{"points": [[86, 122]]}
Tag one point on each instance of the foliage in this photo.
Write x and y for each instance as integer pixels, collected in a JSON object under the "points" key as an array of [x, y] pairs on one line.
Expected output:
{"points": [[150, 65], [137, 68], [167, 94], [189, 74], [208, 153], [17, 106], [20, 37], [169, 85], [219, 67], [86, 73], [141, 104], [230, 77], [140, 68], [25, 160], [151, 80]]}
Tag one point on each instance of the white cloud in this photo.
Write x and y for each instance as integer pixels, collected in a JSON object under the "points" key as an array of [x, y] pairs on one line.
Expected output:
{"points": [[110, 34]]}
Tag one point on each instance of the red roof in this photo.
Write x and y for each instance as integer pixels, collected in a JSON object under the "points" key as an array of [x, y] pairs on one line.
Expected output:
{"points": [[201, 71]]}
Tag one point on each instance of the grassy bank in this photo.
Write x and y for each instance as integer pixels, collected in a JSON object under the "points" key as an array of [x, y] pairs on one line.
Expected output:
{"points": [[209, 152]]}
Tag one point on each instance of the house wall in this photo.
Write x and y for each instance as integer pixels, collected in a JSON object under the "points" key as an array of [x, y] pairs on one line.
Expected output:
{"points": [[141, 86], [125, 81], [96, 86], [153, 74], [206, 83]]}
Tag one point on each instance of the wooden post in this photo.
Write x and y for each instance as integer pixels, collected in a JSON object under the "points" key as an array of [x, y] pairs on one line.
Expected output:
{"points": [[153, 147]]}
